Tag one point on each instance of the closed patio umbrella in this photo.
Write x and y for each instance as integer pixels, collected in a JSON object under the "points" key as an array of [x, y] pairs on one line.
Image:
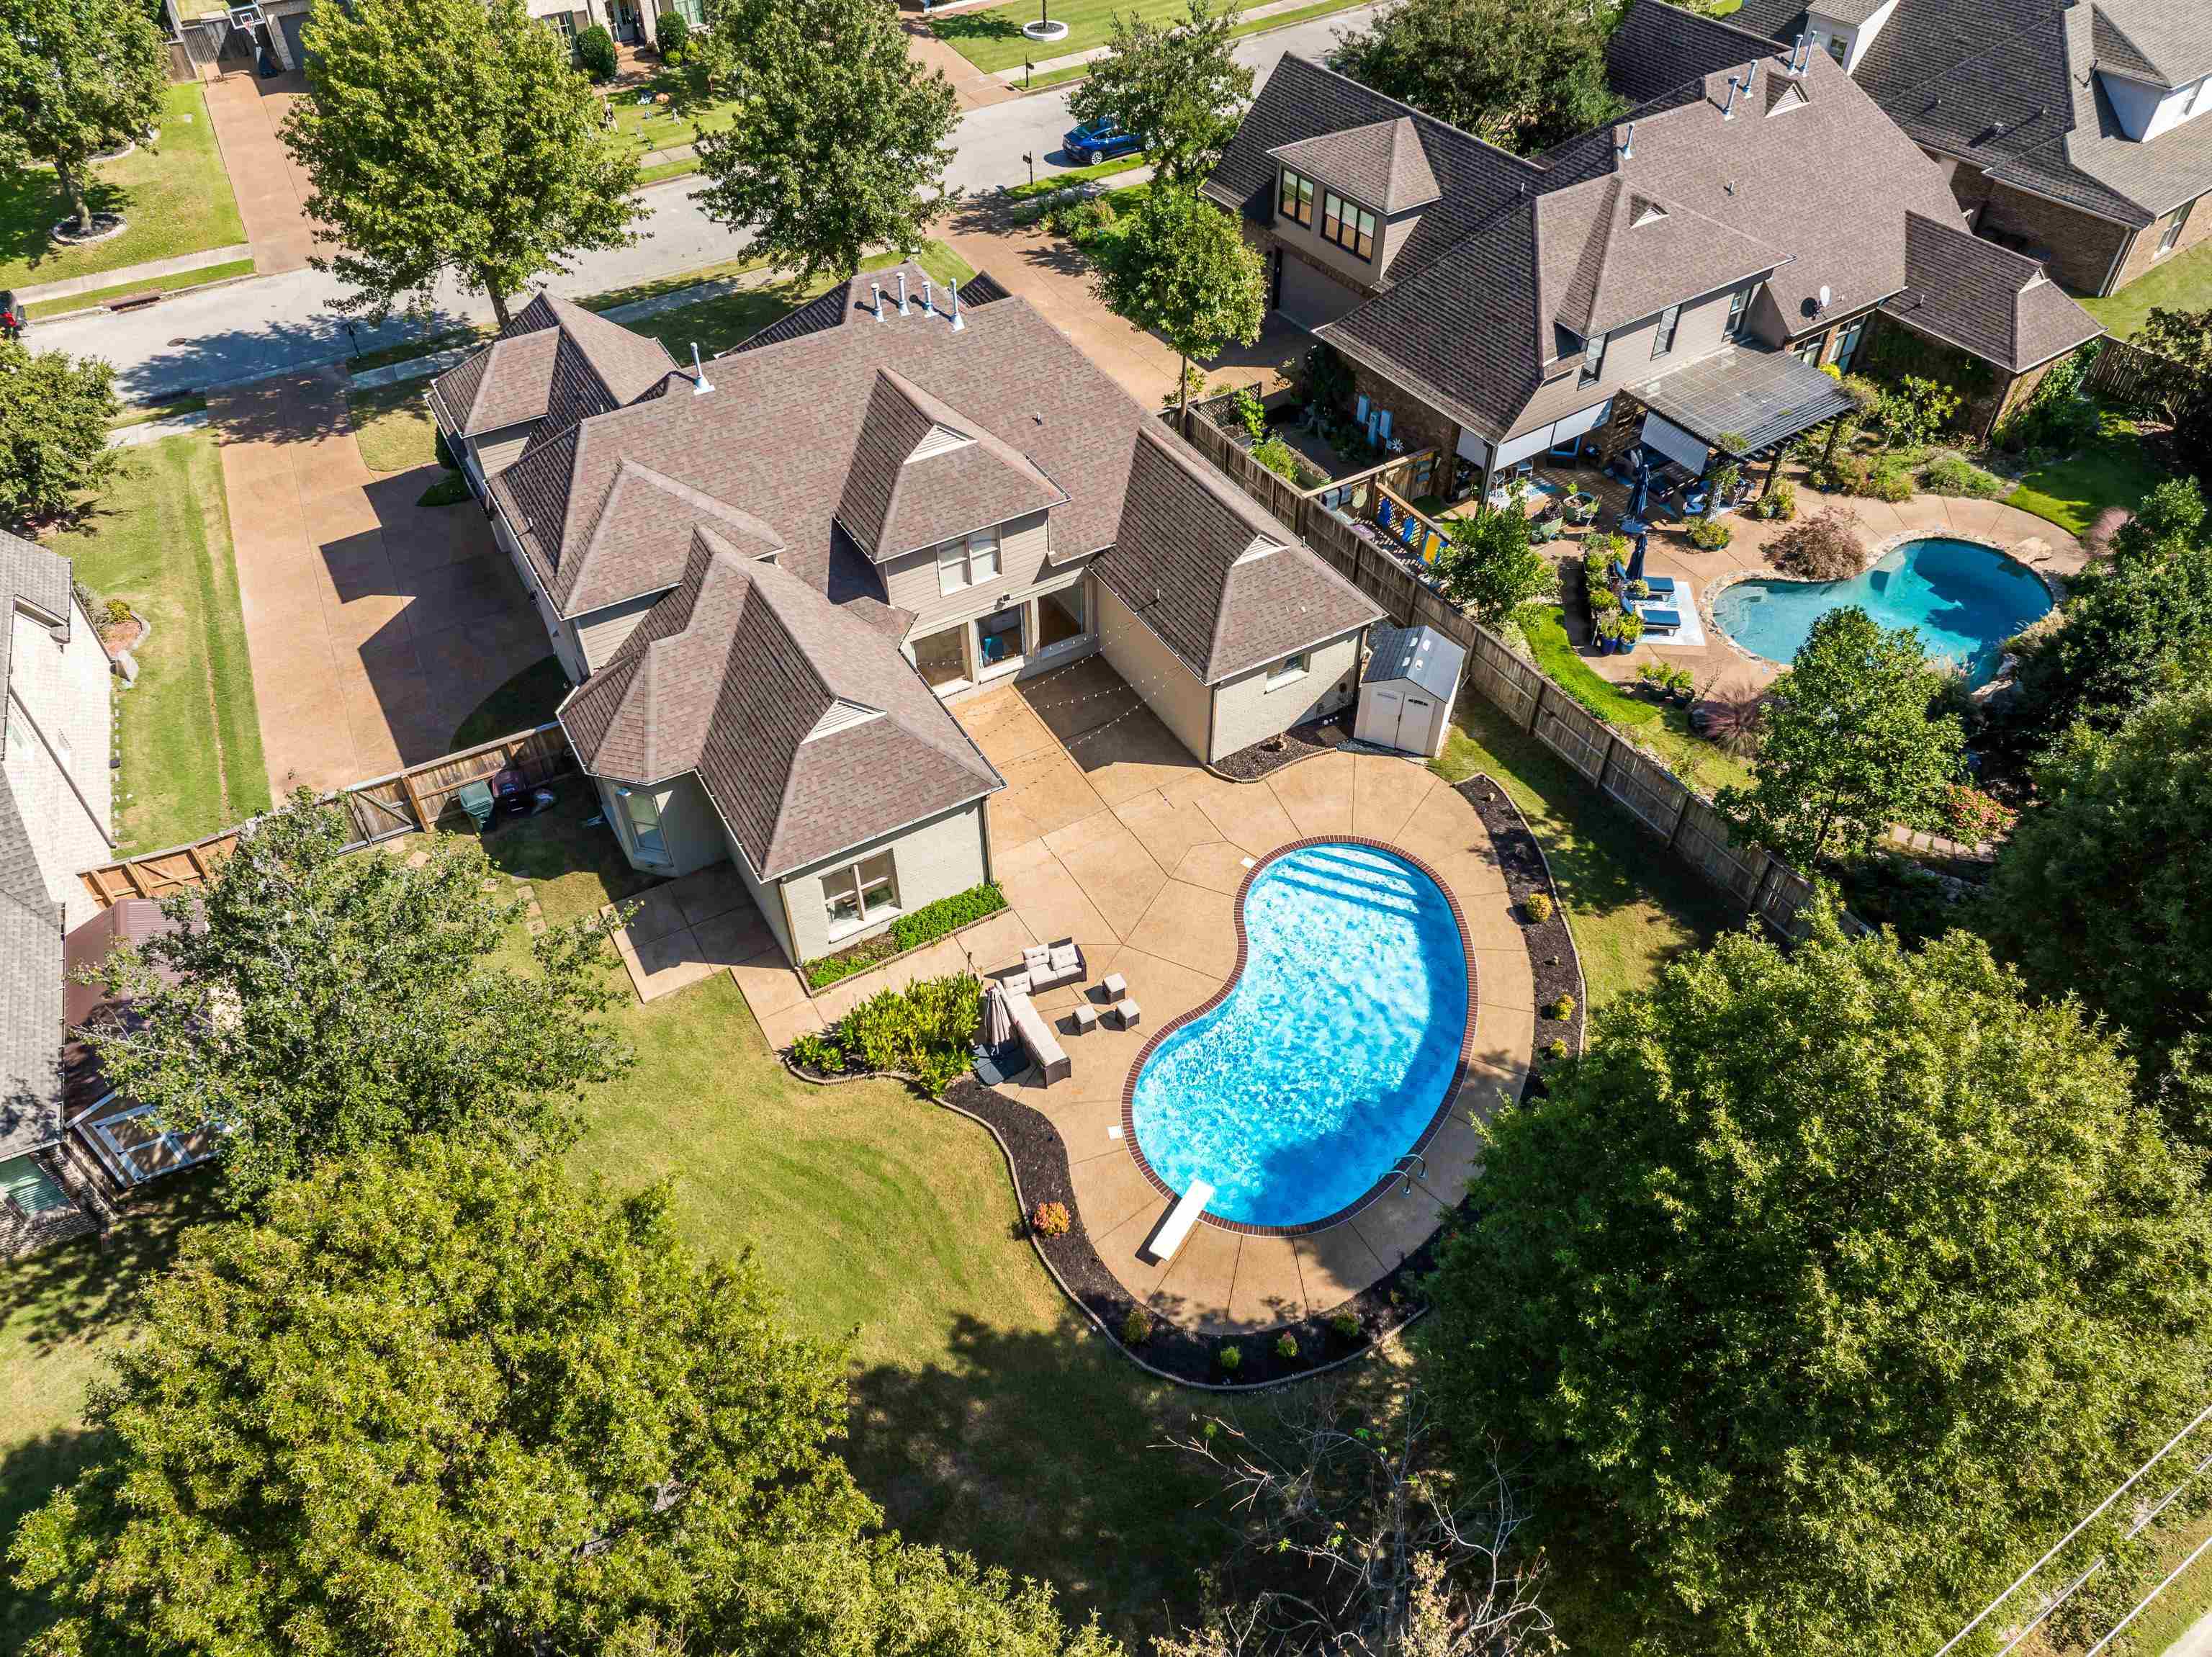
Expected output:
{"points": [[1635, 558], [1639, 496], [998, 1018]]}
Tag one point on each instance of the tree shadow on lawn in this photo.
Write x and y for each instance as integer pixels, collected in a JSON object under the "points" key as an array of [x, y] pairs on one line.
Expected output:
{"points": [[32, 202], [83, 1289], [1039, 1451], [996, 23]]}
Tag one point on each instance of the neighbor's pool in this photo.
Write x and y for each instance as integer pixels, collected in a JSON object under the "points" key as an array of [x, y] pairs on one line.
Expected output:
{"points": [[1329, 1057], [1965, 599]]}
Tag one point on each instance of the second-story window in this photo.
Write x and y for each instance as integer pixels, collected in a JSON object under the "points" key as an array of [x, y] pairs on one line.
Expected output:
{"points": [[1298, 197], [1350, 227], [1663, 341], [1594, 360], [967, 560], [1739, 305]]}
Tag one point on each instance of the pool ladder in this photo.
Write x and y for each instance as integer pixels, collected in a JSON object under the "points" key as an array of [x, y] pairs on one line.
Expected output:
{"points": [[1405, 1166]]}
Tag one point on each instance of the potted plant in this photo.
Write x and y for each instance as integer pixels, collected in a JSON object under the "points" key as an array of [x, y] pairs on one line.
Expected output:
{"points": [[1656, 678], [1681, 687], [1628, 628]]}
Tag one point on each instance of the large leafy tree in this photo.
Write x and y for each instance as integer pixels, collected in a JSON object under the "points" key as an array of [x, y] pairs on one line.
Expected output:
{"points": [[1490, 569], [453, 136], [54, 411], [2101, 890], [1831, 1286], [2128, 629], [435, 1403], [840, 140], [1179, 84], [77, 78], [319, 1004], [1181, 268], [2181, 386], [1847, 744], [1523, 74]]}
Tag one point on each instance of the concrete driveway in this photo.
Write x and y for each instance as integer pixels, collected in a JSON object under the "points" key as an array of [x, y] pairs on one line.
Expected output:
{"points": [[374, 625], [271, 189]]}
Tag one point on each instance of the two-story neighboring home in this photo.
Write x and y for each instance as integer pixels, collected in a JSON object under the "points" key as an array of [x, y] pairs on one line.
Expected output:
{"points": [[2073, 130], [1679, 275], [770, 573]]}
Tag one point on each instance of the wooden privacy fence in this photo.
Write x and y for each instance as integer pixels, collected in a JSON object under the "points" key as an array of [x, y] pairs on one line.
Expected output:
{"points": [[1684, 820], [2121, 374], [405, 802]]}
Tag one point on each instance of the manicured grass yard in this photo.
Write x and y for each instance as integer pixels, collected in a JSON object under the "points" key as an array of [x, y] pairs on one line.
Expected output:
{"points": [[393, 426], [191, 735], [1631, 903], [178, 201], [647, 127], [993, 39], [2182, 281], [1663, 727], [716, 324], [2116, 471]]}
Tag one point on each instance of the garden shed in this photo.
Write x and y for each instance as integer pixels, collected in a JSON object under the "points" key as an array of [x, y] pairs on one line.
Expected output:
{"points": [[1406, 694]]}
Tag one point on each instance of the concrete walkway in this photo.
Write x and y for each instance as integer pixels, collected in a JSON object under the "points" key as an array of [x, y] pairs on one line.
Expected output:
{"points": [[271, 190], [374, 625], [48, 296], [970, 85]]}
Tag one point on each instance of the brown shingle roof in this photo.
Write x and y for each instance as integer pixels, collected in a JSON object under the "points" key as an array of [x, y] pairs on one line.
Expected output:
{"points": [[554, 361], [1221, 582], [897, 497], [1987, 299], [731, 673], [1381, 164]]}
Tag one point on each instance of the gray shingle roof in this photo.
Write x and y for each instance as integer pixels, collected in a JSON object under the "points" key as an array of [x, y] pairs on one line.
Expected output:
{"points": [[1381, 164], [2009, 86], [1221, 582], [729, 676], [778, 437], [895, 501], [1987, 299], [1416, 655]]}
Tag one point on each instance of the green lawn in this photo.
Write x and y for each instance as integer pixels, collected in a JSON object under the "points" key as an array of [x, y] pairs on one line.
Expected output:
{"points": [[2116, 471], [1075, 175], [48, 309], [190, 735], [177, 202], [1663, 727], [523, 703], [392, 425], [993, 39], [1631, 903], [2182, 281], [647, 127], [716, 324]]}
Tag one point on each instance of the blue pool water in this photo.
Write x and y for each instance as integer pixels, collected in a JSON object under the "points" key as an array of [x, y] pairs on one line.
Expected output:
{"points": [[1963, 599], [1330, 1054]]}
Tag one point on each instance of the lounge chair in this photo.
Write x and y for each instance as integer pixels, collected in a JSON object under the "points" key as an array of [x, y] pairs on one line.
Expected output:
{"points": [[1048, 964], [1661, 586], [1662, 621], [1038, 1036]]}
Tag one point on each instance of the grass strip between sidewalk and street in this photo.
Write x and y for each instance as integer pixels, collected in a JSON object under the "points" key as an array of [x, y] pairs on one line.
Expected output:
{"points": [[990, 42], [51, 310]]}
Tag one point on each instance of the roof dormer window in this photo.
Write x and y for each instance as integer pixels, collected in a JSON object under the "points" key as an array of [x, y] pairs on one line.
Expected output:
{"points": [[1348, 224]]}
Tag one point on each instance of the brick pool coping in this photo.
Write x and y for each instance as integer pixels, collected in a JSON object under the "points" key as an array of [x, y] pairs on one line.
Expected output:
{"points": [[1436, 1120]]}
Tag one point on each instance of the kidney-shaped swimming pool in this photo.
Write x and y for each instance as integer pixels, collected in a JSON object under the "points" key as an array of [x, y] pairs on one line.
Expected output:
{"points": [[1332, 1054]]}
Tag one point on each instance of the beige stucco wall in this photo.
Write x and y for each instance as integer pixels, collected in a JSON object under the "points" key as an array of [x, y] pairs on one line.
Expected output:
{"points": [[558, 633], [1246, 711], [911, 581], [691, 828], [766, 898], [600, 633], [62, 692], [935, 859], [1168, 688]]}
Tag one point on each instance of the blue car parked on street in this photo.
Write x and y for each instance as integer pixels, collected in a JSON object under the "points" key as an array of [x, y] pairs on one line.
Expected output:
{"points": [[1094, 143]]}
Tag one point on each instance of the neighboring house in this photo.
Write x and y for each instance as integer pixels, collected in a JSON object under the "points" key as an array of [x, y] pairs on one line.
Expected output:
{"points": [[2073, 130], [1679, 274], [55, 800], [632, 22], [770, 573]]}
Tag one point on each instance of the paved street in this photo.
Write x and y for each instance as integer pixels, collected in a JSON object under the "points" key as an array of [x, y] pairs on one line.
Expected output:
{"points": [[246, 330]]}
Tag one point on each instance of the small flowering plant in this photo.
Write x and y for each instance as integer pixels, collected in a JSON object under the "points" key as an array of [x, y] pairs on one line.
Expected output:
{"points": [[1050, 1219], [1971, 816]]}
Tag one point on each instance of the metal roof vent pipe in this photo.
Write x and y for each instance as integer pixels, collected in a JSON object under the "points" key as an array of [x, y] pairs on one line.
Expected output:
{"points": [[928, 297], [877, 289], [700, 383], [1796, 58], [1727, 111], [902, 276], [1628, 142], [956, 323]]}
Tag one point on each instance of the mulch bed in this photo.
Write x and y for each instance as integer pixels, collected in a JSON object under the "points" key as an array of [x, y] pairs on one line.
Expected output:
{"points": [[1299, 742], [1038, 1158]]}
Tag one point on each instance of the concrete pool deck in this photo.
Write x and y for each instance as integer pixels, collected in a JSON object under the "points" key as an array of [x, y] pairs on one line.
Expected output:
{"points": [[1109, 833]]}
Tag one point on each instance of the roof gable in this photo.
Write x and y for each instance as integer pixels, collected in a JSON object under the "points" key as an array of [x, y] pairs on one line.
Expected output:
{"points": [[1381, 164], [922, 472]]}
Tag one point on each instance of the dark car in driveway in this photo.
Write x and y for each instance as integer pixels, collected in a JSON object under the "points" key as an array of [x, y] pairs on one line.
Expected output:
{"points": [[1099, 141]]}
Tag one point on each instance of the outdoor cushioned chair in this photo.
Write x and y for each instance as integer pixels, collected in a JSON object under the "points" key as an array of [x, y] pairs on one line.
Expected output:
{"points": [[1051, 964], [1662, 621]]}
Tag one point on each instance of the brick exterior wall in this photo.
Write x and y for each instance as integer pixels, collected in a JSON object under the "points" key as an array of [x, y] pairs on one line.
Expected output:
{"points": [[2142, 256], [1412, 421], [2079, 247]]}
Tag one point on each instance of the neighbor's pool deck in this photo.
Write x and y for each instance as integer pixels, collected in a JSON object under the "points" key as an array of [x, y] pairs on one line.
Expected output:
{"points": [[1109, 833]]}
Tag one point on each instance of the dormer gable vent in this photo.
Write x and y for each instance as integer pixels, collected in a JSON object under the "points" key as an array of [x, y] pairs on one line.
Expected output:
{"points": [[940, 440], [1262, 546], [1643, 210], [840, 716], [1784, 95]]}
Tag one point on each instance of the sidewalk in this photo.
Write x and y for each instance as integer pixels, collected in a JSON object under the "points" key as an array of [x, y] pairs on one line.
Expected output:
{"points": [[101, 281], [970, 84], [272, 193], [1072, 59]]}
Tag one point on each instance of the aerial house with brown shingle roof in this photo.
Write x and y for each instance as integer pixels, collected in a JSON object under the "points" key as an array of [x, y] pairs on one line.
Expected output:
{"points": [[1681, 274], [769, 574]]}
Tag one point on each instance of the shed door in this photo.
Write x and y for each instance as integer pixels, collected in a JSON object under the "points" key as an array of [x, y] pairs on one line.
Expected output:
{"points": [[1379, 713], [1414, 724]]}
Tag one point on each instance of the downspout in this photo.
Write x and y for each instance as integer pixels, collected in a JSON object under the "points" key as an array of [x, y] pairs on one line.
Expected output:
{"points": [[60, 765], [2119, 261]]}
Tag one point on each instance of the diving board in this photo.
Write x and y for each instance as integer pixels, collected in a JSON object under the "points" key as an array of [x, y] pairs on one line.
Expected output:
{"points": [[1175, 1231]]}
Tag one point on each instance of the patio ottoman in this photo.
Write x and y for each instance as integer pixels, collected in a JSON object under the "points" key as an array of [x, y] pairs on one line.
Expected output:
{"points": [[1129, 1012], [1086, 1018], [1115, 986]]}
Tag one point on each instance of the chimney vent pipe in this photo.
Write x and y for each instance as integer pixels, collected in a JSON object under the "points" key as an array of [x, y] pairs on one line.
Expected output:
{"points": [[928, 297], [957, 324], [1728, 112], [902, 276], [1628, 142], [700, 383], [877, 289]]}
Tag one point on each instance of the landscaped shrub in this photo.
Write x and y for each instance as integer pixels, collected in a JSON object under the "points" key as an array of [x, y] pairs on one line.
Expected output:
{"points": [[1710, 534], [450, 489], [925, 1031], [1843, 473], [1780, 505], [1083, 222], [1971, 816], [1286, 1346], [672, 34], [1136, 1327], [1954, 474], [2057, 416], [1538, 907], [445, 452], [1889, 479], [1344, 1325], [925, 925], [1912, 412], [1251, 413], [1279, 458], [1825, 548], [1050, 1219], [595, 53], [1231, 1358], [818, 1052], [1555, 1049], [1562, 1009]]}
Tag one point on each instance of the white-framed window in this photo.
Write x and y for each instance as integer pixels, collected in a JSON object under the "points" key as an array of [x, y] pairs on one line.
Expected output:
{"points": [[2176, 222], [998, 640], [1594, 360], [1664, 340], [1288, 668], [857, 894], [1847, 344], [1840, 48], [642, 812], [967, 559], [1738, 305]]}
